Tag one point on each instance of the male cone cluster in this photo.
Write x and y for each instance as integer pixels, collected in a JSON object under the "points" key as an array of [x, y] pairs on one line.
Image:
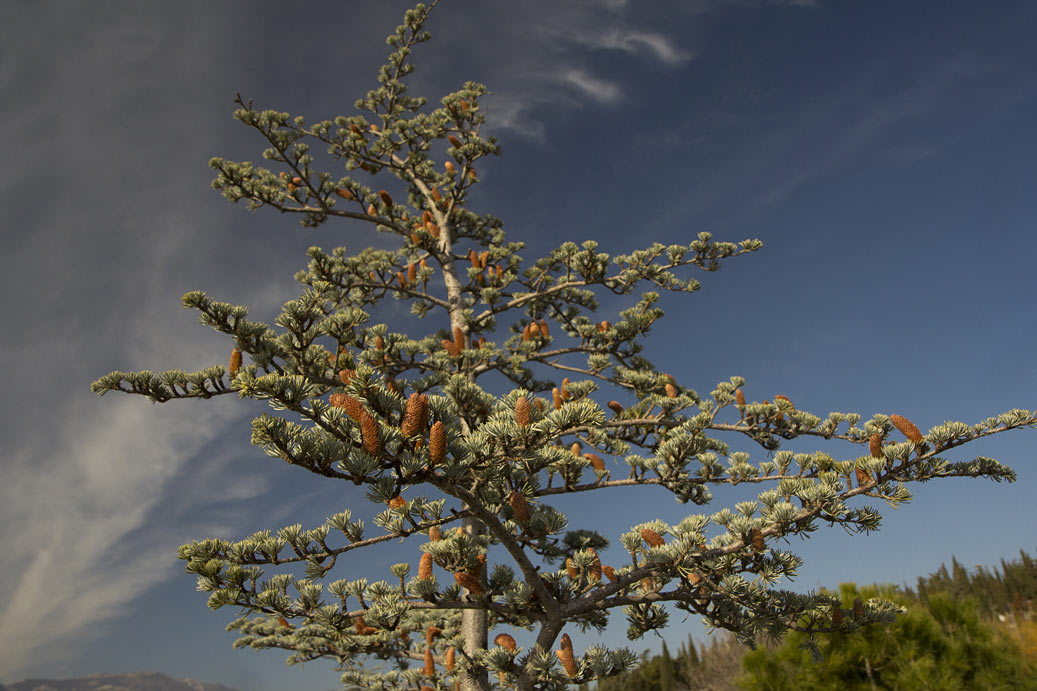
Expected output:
{"points": [[875, 445], [430, 663], [372, 439], [505, 641], [436, 443], [450, 347], [415, 416], [907, 428], [362, 628], [522, 411], [652, 538], [352, 406], [469, 582], [425, 566], [235, 363], [756, 537], [519, 506], [596, 462], [566, 656]]}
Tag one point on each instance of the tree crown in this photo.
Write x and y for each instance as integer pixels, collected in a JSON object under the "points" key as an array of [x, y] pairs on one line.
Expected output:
{"points": [[421, 423]]}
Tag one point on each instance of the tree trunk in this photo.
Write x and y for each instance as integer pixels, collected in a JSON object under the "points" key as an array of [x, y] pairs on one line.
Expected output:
{"points": [[474, 626]]}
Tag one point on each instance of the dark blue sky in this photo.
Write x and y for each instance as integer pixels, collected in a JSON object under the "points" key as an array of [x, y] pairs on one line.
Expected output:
{"points": [[884, 151]]}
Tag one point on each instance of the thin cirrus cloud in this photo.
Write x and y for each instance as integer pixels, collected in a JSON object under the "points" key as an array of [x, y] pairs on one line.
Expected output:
{"points": [[596, 89], [635, 41]]}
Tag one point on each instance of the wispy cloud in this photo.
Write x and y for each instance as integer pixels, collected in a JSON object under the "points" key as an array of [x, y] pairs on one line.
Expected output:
{"points": [[661, 47], [74, 506], [596, 89]]}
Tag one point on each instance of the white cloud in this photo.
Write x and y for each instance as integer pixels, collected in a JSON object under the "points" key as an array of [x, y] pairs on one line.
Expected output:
{"points": [[632, 41], [74, 498], [597, 89]]}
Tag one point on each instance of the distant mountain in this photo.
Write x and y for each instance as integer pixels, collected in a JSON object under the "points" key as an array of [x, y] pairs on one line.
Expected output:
{"points": [[141, 681]]}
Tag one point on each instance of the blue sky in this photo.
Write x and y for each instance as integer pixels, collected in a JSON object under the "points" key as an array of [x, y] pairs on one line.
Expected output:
{"points": [[883, 151]]}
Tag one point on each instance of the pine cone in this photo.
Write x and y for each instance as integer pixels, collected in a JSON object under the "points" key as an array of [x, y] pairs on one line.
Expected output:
{"points": [[596, 461], [519, 506], [425, 566], [522, 411], [907, 428], [652, 538], [235, 363], [436, 444], [505, 641], [415, 416], [875, 445]]}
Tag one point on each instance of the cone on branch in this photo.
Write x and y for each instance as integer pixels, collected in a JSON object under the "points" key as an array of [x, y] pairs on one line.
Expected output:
{"points": [[397, 503], [430, 663], [425, 566], [522, 411], [451, 659], [594, 573], [519, 506], [863, 477], [415, 415], [450, 347], [756, 539], [352, 406], [907, 428], [235, 363], [386, 199], [671, 391], [435, 534], [875, 445], [556, 396], [739, 397], [596, 462], [616, 407], [505, 641], [652, 538], [458, 338], [436, 443], [566, 656], [344, 193], [372, 439], [469, 582]]}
